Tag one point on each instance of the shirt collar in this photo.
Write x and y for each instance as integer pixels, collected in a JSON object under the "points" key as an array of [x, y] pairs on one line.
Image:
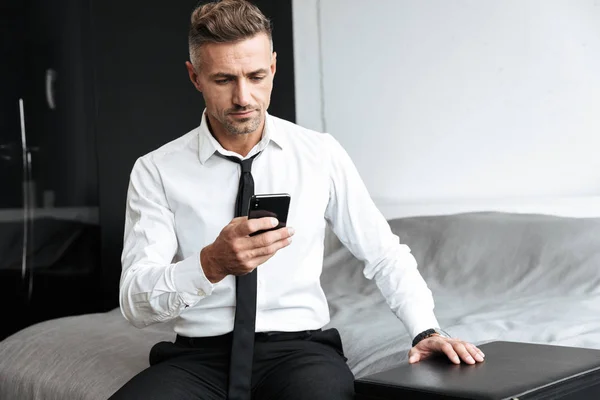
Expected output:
{"points": [[208, 145]]}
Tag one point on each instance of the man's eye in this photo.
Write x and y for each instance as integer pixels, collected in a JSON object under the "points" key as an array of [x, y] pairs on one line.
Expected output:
{"points": [[257, 78], [222, 81]]}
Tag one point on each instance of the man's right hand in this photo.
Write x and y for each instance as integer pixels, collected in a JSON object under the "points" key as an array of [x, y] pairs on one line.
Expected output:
{"points": [[235, 252]]}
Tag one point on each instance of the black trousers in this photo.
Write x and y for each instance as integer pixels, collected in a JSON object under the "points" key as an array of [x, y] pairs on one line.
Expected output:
{"points": [[291, 366]]}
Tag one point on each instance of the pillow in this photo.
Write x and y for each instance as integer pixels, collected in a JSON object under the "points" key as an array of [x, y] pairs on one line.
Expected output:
{"points": [[490, 253]]}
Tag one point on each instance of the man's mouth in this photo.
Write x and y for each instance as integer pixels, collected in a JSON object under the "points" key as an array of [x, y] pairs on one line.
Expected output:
{"points": [[242, 114]]}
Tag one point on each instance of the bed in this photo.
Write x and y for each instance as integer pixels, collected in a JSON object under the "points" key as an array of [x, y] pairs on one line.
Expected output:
{"points": [[513, 270]]}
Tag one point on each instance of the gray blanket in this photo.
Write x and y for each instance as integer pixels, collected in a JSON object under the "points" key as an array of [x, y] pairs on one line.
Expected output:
{"points": [[494, 276]]}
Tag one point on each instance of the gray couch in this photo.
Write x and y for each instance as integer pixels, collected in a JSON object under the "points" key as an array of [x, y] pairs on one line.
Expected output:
{"points": [[518, 277]]}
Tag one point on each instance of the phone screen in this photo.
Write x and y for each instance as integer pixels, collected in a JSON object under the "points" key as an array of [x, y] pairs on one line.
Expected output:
{"points": [[270, 205]]}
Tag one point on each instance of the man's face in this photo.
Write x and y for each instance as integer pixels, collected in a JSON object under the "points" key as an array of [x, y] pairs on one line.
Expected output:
{"points": [[236, 80]]}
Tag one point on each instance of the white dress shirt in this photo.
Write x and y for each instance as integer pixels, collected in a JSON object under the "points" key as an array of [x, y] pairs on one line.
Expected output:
{"points": [[181, 196]]}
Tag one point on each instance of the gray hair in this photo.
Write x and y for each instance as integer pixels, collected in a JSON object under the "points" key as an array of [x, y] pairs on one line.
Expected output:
{"points": [[225, 21]]}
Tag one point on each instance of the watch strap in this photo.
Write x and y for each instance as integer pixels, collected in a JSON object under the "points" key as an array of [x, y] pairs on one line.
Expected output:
{"points": [[428, 333]]}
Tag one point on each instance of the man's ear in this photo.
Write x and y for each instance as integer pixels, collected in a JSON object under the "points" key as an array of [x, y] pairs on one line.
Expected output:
{"points": [[193, 76], [274, 63]]}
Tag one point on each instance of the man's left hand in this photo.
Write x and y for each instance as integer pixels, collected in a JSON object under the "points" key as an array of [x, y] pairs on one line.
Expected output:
{"points": [[455, 349]]}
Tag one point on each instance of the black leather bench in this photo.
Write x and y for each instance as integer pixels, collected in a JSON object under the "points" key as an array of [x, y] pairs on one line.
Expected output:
{"points": [[511, 370]]}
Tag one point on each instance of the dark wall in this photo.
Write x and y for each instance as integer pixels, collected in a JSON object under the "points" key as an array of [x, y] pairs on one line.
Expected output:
{"points": [[144, 98]]}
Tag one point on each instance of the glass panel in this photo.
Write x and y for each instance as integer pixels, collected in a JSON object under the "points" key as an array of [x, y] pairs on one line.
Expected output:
{"points": [[13, 224], [65, 248], [49, 231], [61, 141]]}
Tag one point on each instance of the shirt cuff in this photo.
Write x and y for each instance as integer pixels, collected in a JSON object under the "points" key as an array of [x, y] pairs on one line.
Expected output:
{"points": [[417, 321], [190, 281]]}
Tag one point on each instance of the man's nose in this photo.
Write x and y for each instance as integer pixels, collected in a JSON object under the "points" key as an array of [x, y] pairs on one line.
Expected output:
{"points": [[241, 95]]}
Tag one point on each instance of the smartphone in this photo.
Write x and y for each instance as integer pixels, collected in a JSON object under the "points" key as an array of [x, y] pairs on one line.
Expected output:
{"points": [[269, 205]]}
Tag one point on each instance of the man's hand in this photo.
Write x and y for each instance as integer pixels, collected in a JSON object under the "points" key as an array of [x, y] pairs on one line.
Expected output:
{"points": [[455, 349], [234, 252]]}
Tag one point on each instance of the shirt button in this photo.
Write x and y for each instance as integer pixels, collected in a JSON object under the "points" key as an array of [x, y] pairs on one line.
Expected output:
{"points": [[201, 292]]}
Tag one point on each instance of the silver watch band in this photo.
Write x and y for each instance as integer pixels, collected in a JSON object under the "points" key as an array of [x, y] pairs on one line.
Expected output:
{"points": [[442, 333]]}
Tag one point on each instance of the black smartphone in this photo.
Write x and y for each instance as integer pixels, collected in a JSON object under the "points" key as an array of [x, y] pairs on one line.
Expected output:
{"points": [[269, 205]]}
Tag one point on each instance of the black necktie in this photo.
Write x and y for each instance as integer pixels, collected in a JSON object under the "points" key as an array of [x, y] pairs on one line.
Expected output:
{"points": [[242, 347]]}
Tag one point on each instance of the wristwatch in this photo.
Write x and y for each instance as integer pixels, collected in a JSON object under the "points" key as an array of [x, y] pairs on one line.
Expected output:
{"points": [[428, 333]]}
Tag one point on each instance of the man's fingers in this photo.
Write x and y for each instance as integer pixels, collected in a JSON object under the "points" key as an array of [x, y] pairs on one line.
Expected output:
{"points": [[455, 350], [240, 227], [475, 352], [479, 351], [261, 260], [463, 353], [252, 256], [257, 261], [272, 248], [414, 356], [448, 349], [253, 225], [266, 239]]}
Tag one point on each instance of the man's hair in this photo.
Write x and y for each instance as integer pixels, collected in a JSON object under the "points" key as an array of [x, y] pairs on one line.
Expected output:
{"points": [[225, 21]]}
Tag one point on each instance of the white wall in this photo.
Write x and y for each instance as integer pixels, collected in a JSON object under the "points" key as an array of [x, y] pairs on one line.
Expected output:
{"points": [[440, 99]]}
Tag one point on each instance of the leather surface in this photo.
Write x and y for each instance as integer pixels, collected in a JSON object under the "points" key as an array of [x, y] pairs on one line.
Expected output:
{"points": [[510, 370]]}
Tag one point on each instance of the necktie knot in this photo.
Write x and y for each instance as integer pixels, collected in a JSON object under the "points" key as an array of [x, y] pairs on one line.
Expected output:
{"points": [[246, 164]]}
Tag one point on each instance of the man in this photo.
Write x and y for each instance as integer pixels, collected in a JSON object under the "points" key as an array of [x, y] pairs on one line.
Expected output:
{"points": [[249, 310]]}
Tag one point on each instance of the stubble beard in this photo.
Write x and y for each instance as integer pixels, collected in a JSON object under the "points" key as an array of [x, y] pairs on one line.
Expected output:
{"points": [[243, 126]]}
